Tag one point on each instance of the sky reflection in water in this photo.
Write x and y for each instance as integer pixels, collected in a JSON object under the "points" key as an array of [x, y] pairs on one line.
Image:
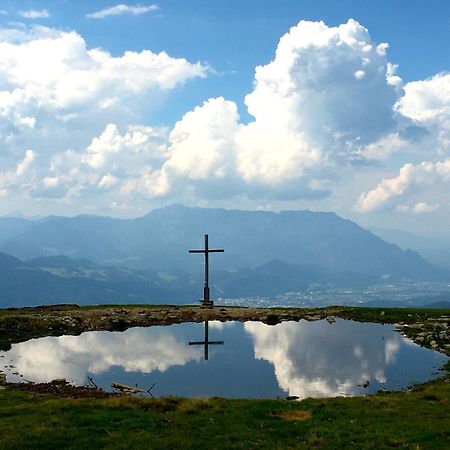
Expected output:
{"points": [[306, 359]]}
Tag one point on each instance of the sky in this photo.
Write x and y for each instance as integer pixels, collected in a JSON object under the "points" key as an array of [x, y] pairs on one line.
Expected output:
{"points": [[118, 108]]}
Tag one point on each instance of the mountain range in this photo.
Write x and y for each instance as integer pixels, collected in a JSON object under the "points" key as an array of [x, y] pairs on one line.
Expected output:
{"points": [[92, 259], [435, 249]]}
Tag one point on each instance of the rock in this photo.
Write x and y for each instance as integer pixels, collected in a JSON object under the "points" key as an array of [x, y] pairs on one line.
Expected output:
{"points": [[330, 319], [312, 318]]}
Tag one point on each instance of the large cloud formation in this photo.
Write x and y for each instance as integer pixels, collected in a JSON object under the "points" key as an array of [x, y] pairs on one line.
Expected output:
{"points": [[327, 106], [427, 104], [328, 93], [57, 95]]}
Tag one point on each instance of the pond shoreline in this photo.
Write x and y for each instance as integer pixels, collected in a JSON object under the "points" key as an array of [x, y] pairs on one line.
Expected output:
{"points": [[427, 327]]}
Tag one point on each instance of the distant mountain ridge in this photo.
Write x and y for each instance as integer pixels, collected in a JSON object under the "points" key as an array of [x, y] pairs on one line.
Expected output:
{"points": [[435, 249], [91, 259], [160, 241], [60, 279]]}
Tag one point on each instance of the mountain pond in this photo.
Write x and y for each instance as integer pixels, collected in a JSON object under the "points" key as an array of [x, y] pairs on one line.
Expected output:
{"points": [[254, 360]]}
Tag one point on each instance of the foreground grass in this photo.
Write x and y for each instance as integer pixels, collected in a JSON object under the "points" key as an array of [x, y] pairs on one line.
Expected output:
{"points": [[418, 419]]}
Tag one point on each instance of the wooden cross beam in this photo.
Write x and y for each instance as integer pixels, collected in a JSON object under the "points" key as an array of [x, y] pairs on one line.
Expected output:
{"points": [[206, 342], [206, 295]]}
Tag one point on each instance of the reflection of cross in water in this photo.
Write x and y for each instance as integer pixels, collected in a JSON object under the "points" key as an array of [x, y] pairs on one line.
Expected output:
{"points": [[206, 342], [206, 298]]}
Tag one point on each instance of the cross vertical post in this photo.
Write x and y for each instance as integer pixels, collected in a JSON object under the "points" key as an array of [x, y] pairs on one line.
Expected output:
{"points": [[206, 301], [206, 296]]}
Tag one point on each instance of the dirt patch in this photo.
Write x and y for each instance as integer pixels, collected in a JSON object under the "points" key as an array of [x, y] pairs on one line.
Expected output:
{"points": [[296, 415]]}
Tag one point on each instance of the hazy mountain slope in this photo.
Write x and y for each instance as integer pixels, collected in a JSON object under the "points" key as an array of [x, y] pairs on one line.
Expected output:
{"points": [[12, 226], [63, 281], [435, 249], [60, 279], [161, 240], [277, 277]]}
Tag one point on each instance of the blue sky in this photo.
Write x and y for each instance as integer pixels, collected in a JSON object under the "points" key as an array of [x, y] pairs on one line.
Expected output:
{"points": [[126, 128]]}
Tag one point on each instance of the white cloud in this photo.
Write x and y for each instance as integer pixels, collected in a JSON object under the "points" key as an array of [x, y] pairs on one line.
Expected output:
{"points": [[122, 9], [427, 104], [23, 166], [109, 161], [108, 181], [327, 94], [329, 106], [427, 100], [34, 14], [410, 180], [19, 178], [419, 208], [385, 147], [56, 94]]}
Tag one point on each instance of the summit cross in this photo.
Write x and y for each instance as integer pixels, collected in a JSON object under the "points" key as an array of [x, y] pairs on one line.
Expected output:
{"points": [[206, 296]]}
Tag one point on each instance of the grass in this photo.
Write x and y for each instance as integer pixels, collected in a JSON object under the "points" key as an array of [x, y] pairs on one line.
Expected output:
{"points": [[390, 314], [417, 419]]}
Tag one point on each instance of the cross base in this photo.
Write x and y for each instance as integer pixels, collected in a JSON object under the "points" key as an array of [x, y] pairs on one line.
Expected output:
{"points": [[207, 303]]}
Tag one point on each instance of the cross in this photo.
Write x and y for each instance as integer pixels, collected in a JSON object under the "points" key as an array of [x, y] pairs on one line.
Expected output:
{"points": [[206, 342], [206, 298]]}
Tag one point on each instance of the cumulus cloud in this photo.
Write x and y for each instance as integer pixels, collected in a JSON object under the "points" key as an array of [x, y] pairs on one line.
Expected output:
{"points": [[109, 161], [34, 14], [427, 104], [56, 95], [421, 207], [426, 100], [328, 93], [120, 9], [329, 103], [19, 178], [410, 180]]}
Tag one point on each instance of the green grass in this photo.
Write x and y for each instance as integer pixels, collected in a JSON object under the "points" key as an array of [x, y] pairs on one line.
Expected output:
{"points": [[414, 420], [390, 314]]}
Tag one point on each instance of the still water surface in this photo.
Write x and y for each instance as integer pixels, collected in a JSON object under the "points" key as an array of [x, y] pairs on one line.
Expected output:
{"points": [[305, 359]]}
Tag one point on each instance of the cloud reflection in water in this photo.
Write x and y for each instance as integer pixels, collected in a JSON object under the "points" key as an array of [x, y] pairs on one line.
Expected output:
{"points": [[306, 359], [316, 359], [73, 357]]}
